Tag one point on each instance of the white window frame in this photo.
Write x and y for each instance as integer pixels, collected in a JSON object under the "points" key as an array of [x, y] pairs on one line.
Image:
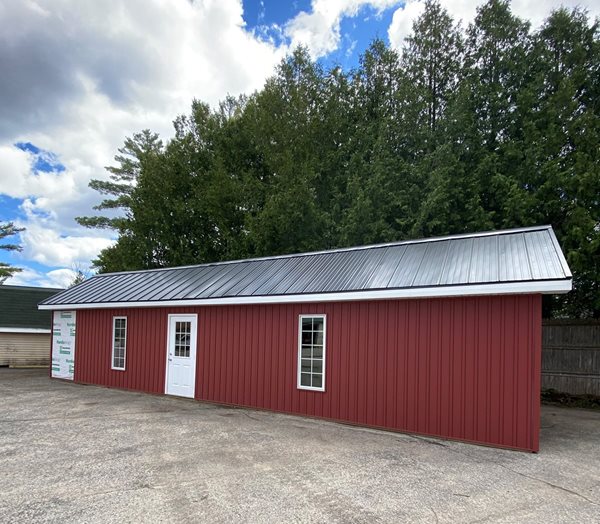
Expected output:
{"points": [[112, 356], [299, 382]]}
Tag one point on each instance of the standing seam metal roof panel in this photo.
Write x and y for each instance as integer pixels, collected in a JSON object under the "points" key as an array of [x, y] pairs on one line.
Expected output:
{"points": [[512, 249], [370, 266], [348, 281], [226, 285], [80, 290], [251, 272], [484, 260], [431, 268], [389, 263], [214, 278], [275, 275], [189, 276], [407, 271], [158, 286], [168, 289], [543, 264], [502, 257], [191, 284], [337, 266], [304, 280], [458, 262], [280, 288]]}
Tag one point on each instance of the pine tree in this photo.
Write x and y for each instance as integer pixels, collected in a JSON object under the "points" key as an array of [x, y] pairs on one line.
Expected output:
{"points": [[563, 158], [8, 229], [432, 59]]}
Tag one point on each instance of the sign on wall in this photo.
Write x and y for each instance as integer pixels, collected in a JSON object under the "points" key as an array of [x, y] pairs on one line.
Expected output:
{"points": [[63, 344]]}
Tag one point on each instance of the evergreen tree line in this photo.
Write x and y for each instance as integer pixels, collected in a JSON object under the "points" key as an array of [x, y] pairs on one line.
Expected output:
{"points": [[465, 129]]}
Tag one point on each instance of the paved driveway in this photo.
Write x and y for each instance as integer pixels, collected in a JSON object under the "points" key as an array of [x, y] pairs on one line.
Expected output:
{"points": [[81, 453]]}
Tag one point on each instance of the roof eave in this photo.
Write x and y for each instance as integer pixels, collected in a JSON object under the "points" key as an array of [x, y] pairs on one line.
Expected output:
{"points": [[558, 286]]}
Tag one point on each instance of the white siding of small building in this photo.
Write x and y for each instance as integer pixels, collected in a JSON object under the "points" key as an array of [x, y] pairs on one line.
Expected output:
{"points": [[25, 349]]}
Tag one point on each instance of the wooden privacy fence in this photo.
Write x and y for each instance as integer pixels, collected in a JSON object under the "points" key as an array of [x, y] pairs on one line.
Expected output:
{"points": [[571, 356]]}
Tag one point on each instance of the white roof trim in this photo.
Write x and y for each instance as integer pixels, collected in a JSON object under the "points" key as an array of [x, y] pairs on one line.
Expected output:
{"points": [[24, 330], [503, 288], [560, 254]]}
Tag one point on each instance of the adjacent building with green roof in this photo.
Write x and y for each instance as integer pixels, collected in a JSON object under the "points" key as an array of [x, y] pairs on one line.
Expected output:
{"points": [[25, 331]]}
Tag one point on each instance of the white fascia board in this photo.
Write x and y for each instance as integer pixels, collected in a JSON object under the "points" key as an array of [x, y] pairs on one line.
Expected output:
{"points": [[504, 288], [24, 330]]}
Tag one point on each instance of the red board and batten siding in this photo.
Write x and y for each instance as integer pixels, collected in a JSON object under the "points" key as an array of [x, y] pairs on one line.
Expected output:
{"points": [[461, 368]]}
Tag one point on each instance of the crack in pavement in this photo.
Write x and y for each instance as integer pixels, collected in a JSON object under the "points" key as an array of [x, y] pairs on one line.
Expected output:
{"points": [[108, 415], [555, 486]]}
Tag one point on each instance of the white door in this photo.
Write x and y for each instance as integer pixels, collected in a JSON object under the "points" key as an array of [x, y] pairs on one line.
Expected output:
{"points": [[181, 355]]}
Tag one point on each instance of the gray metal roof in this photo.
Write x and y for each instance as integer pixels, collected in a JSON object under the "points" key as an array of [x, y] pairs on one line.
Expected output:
{"points": [[517, 256]]}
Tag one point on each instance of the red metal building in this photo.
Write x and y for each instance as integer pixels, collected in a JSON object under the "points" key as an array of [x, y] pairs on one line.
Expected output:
{"points": [[439, 337]]}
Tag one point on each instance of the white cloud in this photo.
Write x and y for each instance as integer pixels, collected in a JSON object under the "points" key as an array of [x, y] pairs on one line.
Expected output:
{"points": [[57, 278], [19, 179], [83, 76], [465, 10], [319, 30], [49, 248], [15, 168], [402, 21]]}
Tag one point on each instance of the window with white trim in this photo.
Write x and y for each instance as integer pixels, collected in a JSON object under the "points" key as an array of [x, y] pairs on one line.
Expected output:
{"points": [[119, 343], [311, 352]]}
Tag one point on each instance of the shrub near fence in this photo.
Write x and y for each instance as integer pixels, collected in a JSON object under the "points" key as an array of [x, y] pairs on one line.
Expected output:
{"points": [[571, 356]]}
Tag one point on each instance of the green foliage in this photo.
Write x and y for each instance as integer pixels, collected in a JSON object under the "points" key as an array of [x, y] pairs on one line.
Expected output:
{"points": [[8, 229], [492, 126]]}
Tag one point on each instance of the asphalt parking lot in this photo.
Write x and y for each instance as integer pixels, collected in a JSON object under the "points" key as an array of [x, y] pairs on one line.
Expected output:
{"points": [[73, 453]]}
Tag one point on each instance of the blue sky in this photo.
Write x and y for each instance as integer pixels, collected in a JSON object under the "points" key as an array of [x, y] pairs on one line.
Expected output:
{"points": [[357, 31], [72, 91]]}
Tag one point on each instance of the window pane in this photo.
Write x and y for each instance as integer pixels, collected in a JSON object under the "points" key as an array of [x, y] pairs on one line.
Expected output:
{"points": [[317, 381], [181, 350], [317, 366], [182, 339], [119, 342], [312, 351]]}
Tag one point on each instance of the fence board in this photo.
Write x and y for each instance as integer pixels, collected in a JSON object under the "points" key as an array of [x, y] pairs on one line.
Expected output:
{"points": [[571, 356]]}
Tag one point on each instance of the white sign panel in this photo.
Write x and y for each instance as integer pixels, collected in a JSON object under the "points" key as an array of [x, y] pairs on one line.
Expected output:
{"points": [[63, 344]]}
